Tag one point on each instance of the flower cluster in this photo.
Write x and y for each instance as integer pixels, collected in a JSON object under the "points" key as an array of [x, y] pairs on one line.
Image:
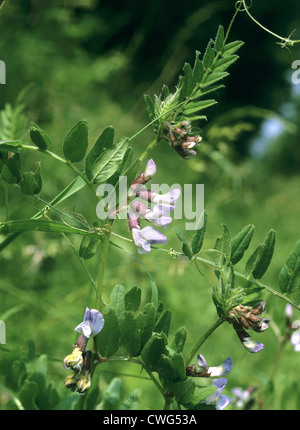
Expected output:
{"points": [[245, 318], [80, 359], [243, 399], [158, 214], [180, 138], [201, 369]]}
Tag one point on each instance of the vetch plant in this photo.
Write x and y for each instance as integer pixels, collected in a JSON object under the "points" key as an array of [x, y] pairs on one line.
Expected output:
{"points": [[120, 327]]}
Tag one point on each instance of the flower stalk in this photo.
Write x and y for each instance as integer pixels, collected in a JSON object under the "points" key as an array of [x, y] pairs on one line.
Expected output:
{"points": [[202, 339]]}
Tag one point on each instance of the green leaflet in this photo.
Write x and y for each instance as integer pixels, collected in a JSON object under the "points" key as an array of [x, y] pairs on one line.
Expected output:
{"points": [[109, 337], [145, 321], [130, 334], [223, 63], [10, 145], [11, 171], [117, 300], [185, 247], [179, 339], [163, 323], [188, 82], [289, 275], [219, 41], [31, 182], [88, 247], [209, 55], [198, 237], [197, 106], [76, 142], [198, 70], [232, 47], [223, 245], [105, 157], [212, 78], [152, 351], [259, 261], [39, 137], [240, 243], [133, 299]]}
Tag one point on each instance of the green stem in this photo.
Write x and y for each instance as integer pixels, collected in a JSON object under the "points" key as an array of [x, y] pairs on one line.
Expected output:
{"points": [[148, 149], [80, 404], [202, 339], [103, 258]]}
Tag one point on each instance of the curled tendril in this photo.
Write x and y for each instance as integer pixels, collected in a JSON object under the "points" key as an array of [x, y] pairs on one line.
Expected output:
{"points": [[241, 6]]}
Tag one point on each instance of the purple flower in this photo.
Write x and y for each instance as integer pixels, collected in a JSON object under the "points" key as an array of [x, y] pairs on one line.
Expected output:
{"points": [[219, 400], [92, 324], [143, 238]]}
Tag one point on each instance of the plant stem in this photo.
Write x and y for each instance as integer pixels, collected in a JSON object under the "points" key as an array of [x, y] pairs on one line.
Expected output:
{"points": [[148, 149], [202, 339], [103, 258]]}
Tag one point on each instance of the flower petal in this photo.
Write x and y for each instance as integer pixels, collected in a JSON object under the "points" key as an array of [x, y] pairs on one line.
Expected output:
{"points": [[221, 370], [222, 402], [152, 235], [170, 198], [150, 169], [252, 346]]}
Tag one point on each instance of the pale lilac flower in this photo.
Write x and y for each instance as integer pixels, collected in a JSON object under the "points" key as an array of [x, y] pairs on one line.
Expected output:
{"points": [[158, 215], [92, 324], [150, 169], [213, 372], [241, 397], [295, 325], [219, 400], [143, 238], [169, 198], [295, 340]]}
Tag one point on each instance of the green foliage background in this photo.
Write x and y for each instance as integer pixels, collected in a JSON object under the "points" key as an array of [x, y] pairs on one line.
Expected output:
{"points": [[93, 60]]}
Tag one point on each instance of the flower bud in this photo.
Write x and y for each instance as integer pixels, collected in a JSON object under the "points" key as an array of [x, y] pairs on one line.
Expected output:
{"points": [[150, 170], [71, 381], [83, 383], [74, 361]]}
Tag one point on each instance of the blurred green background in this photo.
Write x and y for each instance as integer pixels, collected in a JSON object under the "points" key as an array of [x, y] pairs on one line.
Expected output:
{"points": [[94, 60]]}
